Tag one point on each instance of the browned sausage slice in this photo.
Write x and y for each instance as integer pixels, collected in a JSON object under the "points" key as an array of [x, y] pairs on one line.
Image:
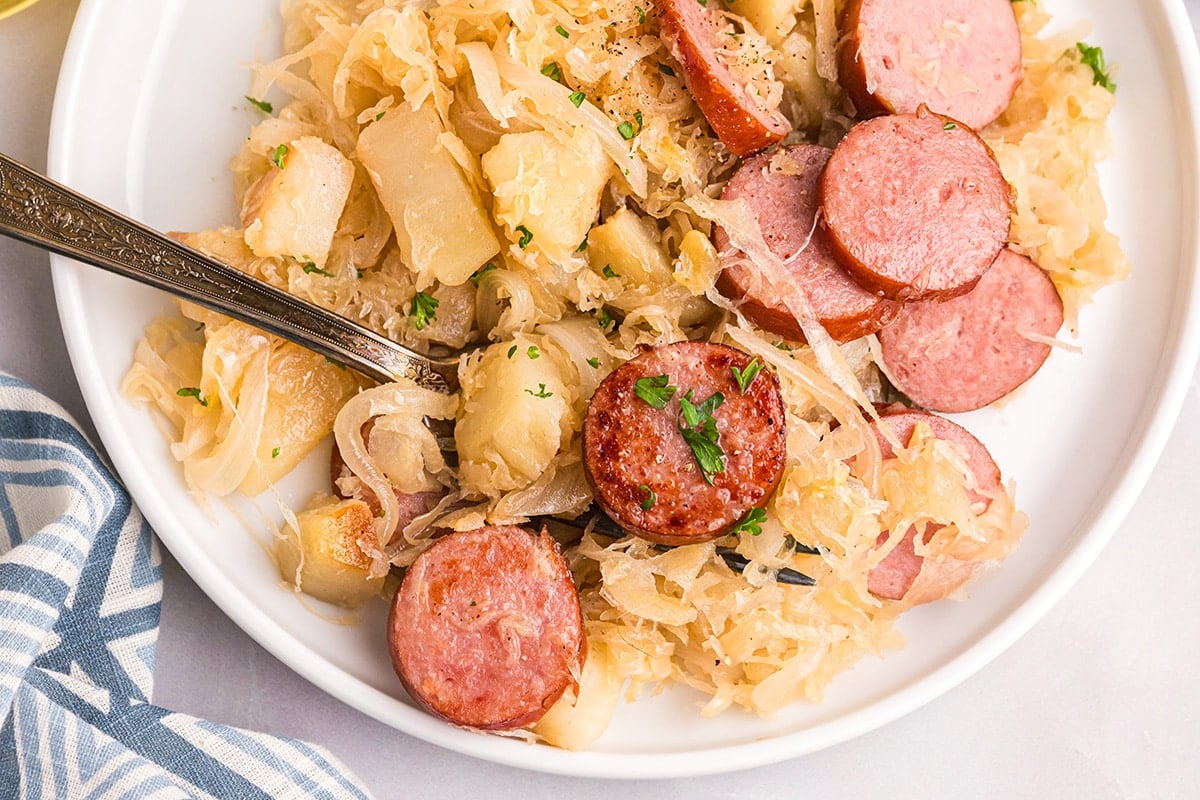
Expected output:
{"points": [[892, 577], [486, 630], [916, 205], [739, 119], [961, 58], [781, 189], [964, 353], [647, 476]]}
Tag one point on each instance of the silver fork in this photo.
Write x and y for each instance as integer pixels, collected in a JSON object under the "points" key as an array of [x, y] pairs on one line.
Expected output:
{"points": [[44, 213]]}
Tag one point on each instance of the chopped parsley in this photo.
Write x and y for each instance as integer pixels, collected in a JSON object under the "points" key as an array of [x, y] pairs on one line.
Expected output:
{"points": [[603, 319], [703, 3], [657, 391], [594, 362], [745, 377], [637, 117], [552, 71], [261, 105], [512, 351], [379, 116], [751, 522], [532, 352], [422, 310], [666, 70], [563, 32], [699, 430], [526, 237], [279, 156], [192, 391], [1094, 57], [541, 392], [641, 14], [651, 497], [577, 98], [477, 276], [335, 362], [949, 126], [626, 130], [582, 246], [609, 272], [275, 453], [313, 269]]}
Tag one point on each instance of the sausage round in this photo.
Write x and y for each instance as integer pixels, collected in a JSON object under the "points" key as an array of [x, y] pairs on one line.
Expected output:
{"points": [[916, 205], [737, 117], [894, 576], [964, 353], [961, 58], [485, 630], [781, 190], [645, 475]]}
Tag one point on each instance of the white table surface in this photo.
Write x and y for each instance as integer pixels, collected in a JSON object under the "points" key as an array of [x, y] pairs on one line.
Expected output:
{"points": [[1099, 700]]}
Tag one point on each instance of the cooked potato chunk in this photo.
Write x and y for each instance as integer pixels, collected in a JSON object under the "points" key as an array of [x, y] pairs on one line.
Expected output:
{"points": [[547, 191], [516, 414], [324, 559], [293, 211], [629, 245], [442, 230], [774, 19]]}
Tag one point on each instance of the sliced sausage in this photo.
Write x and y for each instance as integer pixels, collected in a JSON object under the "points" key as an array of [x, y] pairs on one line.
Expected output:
{"points": [[961, 58], [964, 353], [647, 476], [486, 630], [895, 576], [739, 119], [916, 205], [781, 189]]}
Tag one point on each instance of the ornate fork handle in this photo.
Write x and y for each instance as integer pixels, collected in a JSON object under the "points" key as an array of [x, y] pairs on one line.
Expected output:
{"points": [[37, 210]]}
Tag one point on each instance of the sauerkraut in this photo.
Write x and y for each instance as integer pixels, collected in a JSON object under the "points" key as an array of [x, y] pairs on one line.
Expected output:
{"points": [[531, 177]]}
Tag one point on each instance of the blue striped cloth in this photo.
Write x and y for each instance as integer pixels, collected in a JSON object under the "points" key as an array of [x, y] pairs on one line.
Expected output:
{"points": [[79, 604]]}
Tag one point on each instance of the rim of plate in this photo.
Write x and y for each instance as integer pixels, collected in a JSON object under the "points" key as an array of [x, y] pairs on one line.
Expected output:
{"points": [[1172, 377]]}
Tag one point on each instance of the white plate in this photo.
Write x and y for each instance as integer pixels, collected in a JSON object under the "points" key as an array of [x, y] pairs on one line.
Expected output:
{"points": [[148, 113]]}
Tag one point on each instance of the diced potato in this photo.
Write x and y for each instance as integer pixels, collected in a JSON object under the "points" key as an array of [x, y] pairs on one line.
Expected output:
{"points": [[630, 245], [305, 391], [516, 414], [294, 211], [697, 267], [574, 723], [324, 559], [442, 230], [547, 191], [774, 19]]}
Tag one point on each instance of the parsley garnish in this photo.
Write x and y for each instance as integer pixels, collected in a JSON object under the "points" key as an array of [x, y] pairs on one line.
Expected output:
{"points": [[657, 391], [423, 309], [1094, 58], [582, 246], [541, 392], [552, 71], [651, 497], [275, 453], [703, 3], [603, 318], [379, 116], [512, 351], [594, 362], [700, 432], [336, 363], [532, 352], [609, 272], [312, 268], [477, 276], [666, 70], [949, 126], [279, 156], [192, 391], [637, 117], [641, 15], [751, 522], [626, 130], [577, 98], [562, 31], [261, 105], [526, 237], [746, 377]]}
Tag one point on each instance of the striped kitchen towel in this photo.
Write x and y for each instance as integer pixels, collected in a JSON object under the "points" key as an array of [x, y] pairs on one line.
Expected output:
{"points": [[79, 604]]}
